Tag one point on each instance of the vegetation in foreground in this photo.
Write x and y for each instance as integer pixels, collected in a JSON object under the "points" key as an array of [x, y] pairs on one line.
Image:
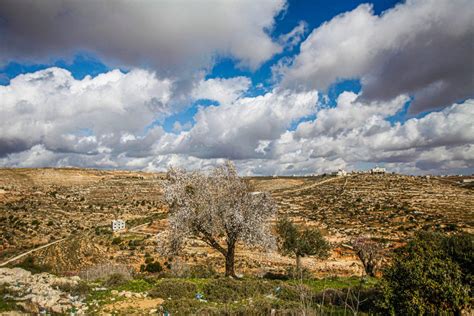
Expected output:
{"points": [[431, 275]]}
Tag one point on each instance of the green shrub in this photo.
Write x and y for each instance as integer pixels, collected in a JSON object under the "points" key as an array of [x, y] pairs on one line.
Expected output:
{"points": [[426, 278], [152, 267], [228, 290], [255, 307], [202, 271], [460, 248], [174, 289], [288, 292], [149, 259], [186, 306]]}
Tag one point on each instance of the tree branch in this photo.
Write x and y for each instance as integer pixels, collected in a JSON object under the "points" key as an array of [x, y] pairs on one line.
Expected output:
{"points": [[208, 239]]}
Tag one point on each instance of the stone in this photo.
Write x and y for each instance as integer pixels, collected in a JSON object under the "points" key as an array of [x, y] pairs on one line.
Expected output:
{"points": [[38, 293]]}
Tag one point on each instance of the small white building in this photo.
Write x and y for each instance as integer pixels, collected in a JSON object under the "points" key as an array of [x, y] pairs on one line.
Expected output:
{"points": [[378, 170], [118, 225], [340, 173]]}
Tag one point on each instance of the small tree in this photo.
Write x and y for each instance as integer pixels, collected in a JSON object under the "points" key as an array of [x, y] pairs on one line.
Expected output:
{"points": [[301, 242], [217, 208], [370, 254]]}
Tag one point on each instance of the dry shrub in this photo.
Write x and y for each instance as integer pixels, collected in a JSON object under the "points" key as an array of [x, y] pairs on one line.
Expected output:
{"points": [[104, 271]]}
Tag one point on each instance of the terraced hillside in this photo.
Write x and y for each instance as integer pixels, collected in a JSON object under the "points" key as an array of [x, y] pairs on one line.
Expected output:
{"points": [[387, 206], [42, 205], [76, 206]]}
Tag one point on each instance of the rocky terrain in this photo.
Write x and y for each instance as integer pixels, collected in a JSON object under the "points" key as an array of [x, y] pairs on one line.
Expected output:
{"points": [[35, 293]]}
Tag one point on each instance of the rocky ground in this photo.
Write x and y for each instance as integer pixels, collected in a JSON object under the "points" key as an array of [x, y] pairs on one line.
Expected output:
{"points": [[36, 293]]}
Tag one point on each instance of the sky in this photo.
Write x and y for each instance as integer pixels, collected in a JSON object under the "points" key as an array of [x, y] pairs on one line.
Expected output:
{"points": [[278, 87]]}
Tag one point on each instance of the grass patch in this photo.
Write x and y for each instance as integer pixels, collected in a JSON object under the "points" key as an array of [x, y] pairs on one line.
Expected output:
{"points": [[318, 285], [135, 285], [175, 289]]}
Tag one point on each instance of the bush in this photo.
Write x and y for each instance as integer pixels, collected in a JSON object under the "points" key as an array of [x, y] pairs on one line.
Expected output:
{"points": [[116, 279], [186, 306], [79, 289], [296, 292], [104, 271], [202, 271], [460, 248], [276, 276], [152, 267], [228, 290], [426, 277], [174, 289], [353, 298], [29, 264]]}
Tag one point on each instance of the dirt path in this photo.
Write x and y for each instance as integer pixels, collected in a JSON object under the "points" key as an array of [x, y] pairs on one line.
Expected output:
{"points": [[30, 251], [136, 229]]}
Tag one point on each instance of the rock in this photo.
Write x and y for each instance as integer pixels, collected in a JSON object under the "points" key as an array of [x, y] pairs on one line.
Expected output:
{"points": [[59, 309], [39, 292], [29, 307]]}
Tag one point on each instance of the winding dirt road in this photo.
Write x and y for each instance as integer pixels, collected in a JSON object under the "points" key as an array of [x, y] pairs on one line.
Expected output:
{"points": [[30, 251]]}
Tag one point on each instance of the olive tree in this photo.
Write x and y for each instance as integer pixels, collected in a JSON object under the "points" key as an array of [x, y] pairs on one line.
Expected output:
{"points": [[369, 252], [301, 242], [218, 208]]}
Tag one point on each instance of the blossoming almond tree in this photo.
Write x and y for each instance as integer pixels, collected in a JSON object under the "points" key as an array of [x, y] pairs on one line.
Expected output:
{"points": [[219, 209]]}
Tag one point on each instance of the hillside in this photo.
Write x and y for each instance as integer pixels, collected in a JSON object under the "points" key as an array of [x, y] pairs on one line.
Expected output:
{"points": [[38, 206]]}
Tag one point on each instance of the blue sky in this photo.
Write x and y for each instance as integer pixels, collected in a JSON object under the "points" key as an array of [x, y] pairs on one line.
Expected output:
{"points": [[294, 87]]}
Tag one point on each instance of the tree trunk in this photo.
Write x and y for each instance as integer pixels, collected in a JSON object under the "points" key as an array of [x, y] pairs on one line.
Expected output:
{"points": [[298, 265], [229, 261]]}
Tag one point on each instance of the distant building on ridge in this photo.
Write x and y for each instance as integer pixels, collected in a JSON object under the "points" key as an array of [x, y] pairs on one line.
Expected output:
{"points": [[340, 173], [378, 170]]}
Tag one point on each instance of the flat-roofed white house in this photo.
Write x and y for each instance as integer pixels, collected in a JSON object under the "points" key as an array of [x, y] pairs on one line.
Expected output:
{"points": [[118, 225], [378, 170]]}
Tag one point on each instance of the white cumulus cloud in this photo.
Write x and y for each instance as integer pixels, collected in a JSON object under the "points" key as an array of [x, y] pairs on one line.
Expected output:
{"points": [[422, 48]]}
